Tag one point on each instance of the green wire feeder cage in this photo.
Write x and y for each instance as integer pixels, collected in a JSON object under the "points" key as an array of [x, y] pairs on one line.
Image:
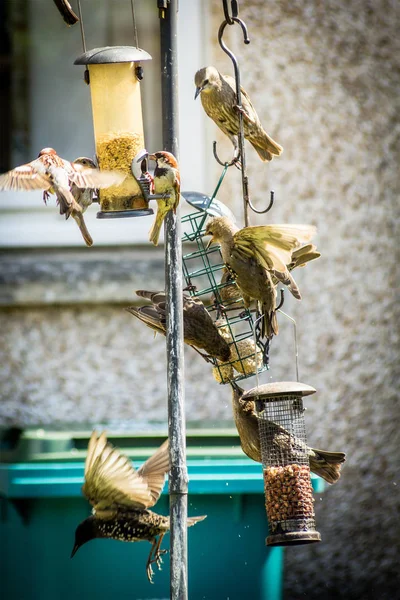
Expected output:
{"points": [[203, 270]]}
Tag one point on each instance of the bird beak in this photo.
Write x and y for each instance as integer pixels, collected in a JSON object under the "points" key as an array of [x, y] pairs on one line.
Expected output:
{"points": [[210, 241], [198, 90], [74, 550], [152, 157]]}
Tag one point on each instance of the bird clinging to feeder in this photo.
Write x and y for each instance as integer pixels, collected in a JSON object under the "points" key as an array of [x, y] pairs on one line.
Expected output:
{"points": [[121, 497], [166, 181], [257, 254], [55, 175], [323, 463], [199, 329], [218, 97]]}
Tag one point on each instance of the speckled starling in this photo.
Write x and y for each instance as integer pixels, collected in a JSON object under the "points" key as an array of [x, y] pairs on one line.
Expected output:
{"points": [[218, 97], [121, 497], [258, 256], [325, 464], [199, 329]]}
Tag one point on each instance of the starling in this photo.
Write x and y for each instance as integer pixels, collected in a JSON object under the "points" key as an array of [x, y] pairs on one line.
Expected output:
{"points": [[199, 329], [218, 97], [166, 181], [229, 293], [121, 497], [325, 464], [257, 257]]}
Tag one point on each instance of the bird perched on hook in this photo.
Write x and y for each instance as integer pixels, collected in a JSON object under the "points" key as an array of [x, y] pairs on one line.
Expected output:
{"points": [[166, 181], [323, 463], [66, 12], [218, 97], [231, 296], [121, 497], [199, 330], [56, 175], [256, 255]]}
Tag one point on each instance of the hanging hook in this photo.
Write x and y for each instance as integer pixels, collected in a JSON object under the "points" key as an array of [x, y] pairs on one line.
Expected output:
{"points": [[261, 212], [234, 8], [235, 160]]}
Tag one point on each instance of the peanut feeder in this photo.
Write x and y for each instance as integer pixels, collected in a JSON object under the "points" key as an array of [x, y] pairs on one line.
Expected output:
{"points": [[287, 478], [114, 77]]}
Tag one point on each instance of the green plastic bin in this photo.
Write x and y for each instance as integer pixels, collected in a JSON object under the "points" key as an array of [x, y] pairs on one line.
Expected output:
{"points": [[41, 474]]}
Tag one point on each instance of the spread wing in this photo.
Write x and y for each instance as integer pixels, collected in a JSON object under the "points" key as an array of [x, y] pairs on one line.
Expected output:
{"points": [[272, 245], [24, 177], [111, 480], [153, 471], [83, 177]]}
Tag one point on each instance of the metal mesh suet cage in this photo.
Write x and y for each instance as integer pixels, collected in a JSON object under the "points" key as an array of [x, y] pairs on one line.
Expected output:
{"points": [[203, 269], [285, 456]]}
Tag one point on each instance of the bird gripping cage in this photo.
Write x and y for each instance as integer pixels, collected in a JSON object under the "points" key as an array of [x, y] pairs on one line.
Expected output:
{"points": [[285, 456]]}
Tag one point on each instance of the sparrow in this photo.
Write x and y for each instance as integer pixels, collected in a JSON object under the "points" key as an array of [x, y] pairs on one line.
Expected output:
{"points": [[325, 464], [84, 197], [258, 256], [199, 329], [121, 497], [230, 295], [218, 97], [166, 181], [56, 175], [66, 11]]}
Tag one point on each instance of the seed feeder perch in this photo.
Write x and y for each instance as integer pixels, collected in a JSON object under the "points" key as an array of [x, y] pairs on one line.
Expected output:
{"points": [[287, 477], [114, 76]]}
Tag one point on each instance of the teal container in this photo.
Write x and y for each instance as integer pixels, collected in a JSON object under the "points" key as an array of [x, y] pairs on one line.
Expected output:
{"points": [[41, 474]]}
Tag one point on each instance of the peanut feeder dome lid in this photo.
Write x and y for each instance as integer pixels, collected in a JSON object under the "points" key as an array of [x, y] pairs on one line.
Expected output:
{"points": [[112, 54], [280, 388]]}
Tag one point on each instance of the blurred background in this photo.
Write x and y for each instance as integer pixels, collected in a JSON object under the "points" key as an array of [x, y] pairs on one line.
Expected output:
{"points": [[325, 80]]}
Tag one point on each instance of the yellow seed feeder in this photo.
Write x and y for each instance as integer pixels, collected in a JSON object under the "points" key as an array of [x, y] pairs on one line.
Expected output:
{"points": [[115, 73]]}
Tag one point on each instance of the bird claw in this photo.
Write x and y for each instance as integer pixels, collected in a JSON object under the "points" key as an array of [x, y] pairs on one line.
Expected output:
{"points": [[46, 196]]}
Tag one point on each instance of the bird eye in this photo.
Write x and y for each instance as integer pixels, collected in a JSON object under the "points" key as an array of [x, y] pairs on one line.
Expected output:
{"points": [[206, 82]]}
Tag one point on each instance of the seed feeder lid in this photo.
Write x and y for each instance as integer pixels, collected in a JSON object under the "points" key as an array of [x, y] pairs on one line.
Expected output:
{"points": [[279, 388], [202, 202], [112, 54]]}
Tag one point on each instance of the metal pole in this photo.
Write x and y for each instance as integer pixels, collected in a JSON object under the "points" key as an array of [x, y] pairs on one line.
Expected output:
{"points": [[178, 479]]}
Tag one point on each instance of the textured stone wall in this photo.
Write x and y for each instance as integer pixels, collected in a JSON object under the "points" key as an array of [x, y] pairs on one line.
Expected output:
{"points": [[324, 77]]}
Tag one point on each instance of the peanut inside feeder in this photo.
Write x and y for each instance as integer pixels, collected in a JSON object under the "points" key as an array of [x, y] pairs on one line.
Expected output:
{"points": [[287, 477]]}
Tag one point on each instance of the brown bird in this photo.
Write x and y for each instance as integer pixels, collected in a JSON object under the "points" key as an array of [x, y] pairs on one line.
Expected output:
{"points": [[256, 255], [231, 296], [56, 176], [66, 11], [121, 497], [166, 181], [218, 97], [84, 198], [199, 330], [325, 464]]}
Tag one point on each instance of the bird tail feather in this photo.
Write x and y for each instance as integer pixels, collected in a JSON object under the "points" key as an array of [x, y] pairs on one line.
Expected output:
{"points": [[193, 520], [266, 147], [327, 464], [83, 229]]}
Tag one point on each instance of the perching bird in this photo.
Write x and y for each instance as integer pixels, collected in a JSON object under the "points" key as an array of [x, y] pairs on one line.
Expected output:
{"points": [[218, 97], [166, 181], [199, 329], [231, 296], [56, 176], [256, 255], [325, 464], [66, 12], [84, 198], [121, 496]]}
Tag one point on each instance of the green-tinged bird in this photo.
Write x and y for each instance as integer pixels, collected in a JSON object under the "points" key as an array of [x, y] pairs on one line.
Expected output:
{"points": [[218, 97], [259, 257], [325, 464], [121, 497]]}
